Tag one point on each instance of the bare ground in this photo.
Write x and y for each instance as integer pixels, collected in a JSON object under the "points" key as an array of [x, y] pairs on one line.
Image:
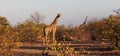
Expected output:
{"points": [[36, 49]]}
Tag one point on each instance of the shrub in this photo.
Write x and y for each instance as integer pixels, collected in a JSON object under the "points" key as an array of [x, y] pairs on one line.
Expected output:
{"points": [[29, 31], [8, 37]]}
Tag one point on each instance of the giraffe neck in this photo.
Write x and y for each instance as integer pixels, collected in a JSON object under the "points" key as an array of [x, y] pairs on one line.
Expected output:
{"points": [[56, 20]]}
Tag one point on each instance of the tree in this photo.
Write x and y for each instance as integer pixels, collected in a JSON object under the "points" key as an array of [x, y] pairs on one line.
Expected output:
{"points": [[29, 31], [3, 21], [8, 35], [95, 27], [37, 17], [106, 28], [60, 32], [111, 31]]}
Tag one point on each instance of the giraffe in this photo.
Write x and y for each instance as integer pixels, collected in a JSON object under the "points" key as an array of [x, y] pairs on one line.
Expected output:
{"points": [[51, 28], [81, 27]]}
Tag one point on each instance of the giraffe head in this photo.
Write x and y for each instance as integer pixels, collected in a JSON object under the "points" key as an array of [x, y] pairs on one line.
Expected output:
{"points": [[58, 15]]}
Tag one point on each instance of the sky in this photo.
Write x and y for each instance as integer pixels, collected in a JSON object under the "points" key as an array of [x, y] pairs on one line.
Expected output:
{"points": [[72, 11]]}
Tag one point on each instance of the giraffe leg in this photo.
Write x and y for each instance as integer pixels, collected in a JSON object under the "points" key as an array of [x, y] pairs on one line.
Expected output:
{"points": [[46, 37], [53, 36], [46, 33]]}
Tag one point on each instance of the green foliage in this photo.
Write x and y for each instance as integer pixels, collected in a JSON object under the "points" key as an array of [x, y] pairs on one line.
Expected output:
{"points": [[8, 37], [111, 31], [68, 33], [29, 31], [95, 28], [3, 21], [106, 29], [60, 33], [62, 48]]}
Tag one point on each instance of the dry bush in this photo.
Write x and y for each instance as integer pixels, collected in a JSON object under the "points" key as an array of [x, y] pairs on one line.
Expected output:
{"points": [[8, 36], [29, 31]]}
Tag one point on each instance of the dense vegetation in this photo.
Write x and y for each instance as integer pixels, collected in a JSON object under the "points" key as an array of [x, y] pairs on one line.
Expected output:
{"points": [[30, 31]]}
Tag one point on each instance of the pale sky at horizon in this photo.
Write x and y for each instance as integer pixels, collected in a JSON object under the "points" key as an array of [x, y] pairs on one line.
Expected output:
{"points": [[73, 11]]}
